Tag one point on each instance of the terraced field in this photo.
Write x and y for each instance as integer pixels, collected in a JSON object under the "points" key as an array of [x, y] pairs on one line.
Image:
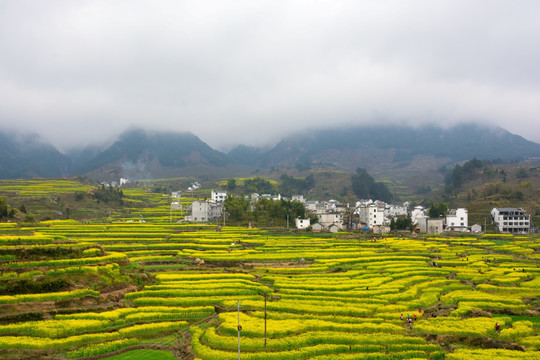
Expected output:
{"points": [[299, 296]]}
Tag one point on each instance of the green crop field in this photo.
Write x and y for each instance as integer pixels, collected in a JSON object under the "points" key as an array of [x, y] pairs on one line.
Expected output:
{"points": [[126, 289]]}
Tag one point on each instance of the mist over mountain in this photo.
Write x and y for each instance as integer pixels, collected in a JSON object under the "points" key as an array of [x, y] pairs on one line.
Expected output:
{"points": [[247, 155], [372, 146], [27, 156], [145, 154], [140, 154]]}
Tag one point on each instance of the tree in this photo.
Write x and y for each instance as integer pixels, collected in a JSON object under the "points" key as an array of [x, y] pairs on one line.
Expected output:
{"points": [[3, 208], [309, 181], [401, 223], [290, 185], [438, 209], [237, 207], [231, 185], [349, 216], [423, 189], [364, 186], [258, 185], [522, 173], [455, 179], [527, 186], [103, 194], [304, 164], [23, 209]]}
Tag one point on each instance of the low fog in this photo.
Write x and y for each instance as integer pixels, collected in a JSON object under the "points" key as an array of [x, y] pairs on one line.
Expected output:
{"points": [[250, 72]]}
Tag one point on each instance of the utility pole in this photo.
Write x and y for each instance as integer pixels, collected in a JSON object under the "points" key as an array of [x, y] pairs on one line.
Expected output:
{"points": [[265, 295], [239, 328]]}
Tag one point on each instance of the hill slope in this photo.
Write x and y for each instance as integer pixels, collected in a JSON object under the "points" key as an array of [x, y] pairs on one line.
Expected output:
{"points": [[411, 156], [27, 156], [376, 147], [140, 154]]}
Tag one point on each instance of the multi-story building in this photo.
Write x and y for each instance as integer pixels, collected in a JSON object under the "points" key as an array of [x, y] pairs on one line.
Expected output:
{"points": [[329, 219], [457, 220], [298, 198], [418, 214], [302, 223], [219, 196], [204, 211], [511, 220], [392, 211], [372, 215]]}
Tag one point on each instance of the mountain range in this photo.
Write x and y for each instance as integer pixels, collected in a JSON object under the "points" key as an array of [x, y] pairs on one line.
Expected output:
{"points": [[139, 154]]}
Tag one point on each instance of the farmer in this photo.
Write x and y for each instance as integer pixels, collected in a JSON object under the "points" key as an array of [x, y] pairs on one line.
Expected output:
{"points": [[497, 327], [401, 316]]}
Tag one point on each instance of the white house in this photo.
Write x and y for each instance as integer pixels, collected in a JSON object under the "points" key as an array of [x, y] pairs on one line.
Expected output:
{"points": [[334, 228], [476, 228], [418, 213], [329, 219], [372, 215], [393, 211], [430, 226], [457, 220], [302, 223], [219, 196], [311, 205], [331, 205], [435, 226], [203, 211], [511, 220]]}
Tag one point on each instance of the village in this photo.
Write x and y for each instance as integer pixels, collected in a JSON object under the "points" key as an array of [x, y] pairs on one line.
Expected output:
{"points": [[366, 215]]}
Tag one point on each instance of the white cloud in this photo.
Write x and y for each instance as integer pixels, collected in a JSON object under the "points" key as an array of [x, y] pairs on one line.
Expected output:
{"points": [[252, 71]]}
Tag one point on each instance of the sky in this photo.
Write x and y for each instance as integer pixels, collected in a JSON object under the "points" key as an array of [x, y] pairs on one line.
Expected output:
{"points": [[250, 72]]}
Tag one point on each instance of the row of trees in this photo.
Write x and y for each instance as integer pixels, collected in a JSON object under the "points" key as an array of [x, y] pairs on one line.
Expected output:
{"points": [[462, 173], [257, 185], [9, 212], [4, 212], [108, 194], [289, 185], [365, 187], [263, 211]]}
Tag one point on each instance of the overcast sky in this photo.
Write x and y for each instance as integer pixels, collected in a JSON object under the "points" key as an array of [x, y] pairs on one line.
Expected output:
{"points": [[252, 71]]}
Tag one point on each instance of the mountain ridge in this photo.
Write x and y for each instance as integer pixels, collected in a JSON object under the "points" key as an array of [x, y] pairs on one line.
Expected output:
{"points": [[381, 150]]}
